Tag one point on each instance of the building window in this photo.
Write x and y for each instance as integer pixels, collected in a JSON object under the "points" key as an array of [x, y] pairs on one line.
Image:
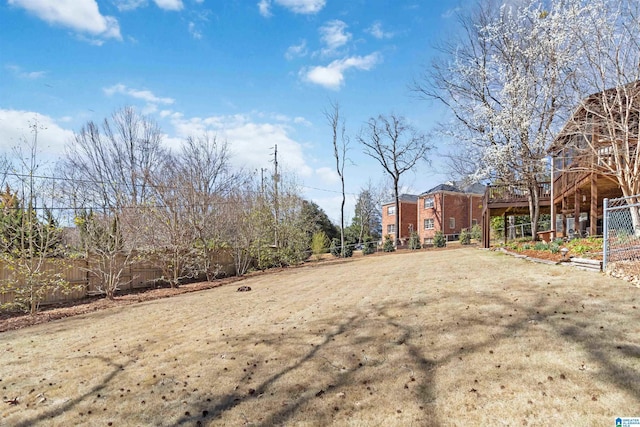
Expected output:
{"points": [[428, 202], [474, 221], [452, 223], [391, 210], [391, 228], [428, 224]]}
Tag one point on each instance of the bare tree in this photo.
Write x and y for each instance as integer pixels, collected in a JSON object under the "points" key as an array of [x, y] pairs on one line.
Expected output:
{"points": [[112, 162], [398, 147], [604, 130], [207, 181], [169, 241], [29, 233], [340, 147], [107, 170]]}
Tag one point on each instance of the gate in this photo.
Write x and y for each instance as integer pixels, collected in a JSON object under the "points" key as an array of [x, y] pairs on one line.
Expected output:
{"points": [[621, 228]]}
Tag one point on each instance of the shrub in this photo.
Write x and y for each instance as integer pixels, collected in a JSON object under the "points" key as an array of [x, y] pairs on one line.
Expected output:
{"points": [[554, 248], [580, 249], [465, 237], [526, 247], [414, 241], [367, 246], [541, 246], [439, 240], [476, 232], [335, 247], [319, 243], [388, 244], [348, 251], [558, 241]]}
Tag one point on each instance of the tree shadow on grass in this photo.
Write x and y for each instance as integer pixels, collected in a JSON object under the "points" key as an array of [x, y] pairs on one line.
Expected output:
{"points": [[116, 368], [607, 348], [417, 371]]}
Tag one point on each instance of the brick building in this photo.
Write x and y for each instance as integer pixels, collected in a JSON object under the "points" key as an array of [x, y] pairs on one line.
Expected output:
{"points": [[408, 217], [448, 209]]}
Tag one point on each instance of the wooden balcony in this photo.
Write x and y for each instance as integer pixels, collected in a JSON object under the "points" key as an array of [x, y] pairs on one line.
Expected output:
{"points": [[513, 199]]}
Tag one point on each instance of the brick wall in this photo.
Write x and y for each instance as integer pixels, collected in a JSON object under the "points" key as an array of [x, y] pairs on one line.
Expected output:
{"points": [[463, 208]]}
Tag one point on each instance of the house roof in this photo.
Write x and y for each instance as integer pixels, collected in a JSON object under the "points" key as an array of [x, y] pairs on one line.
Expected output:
{"points": [[411, 198], [475, 188]]}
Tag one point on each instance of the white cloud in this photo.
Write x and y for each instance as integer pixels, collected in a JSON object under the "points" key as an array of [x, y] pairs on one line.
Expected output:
{"points": [[19, 72], [334, 36], [126, 5], [327, 175], [193, 30], [83, 16], [301, 121], [169, 4], [250, 141], [296, 51], [264, 6], [15, 127], [145, 95], [303, 7], [332, 76], [376, 31]]}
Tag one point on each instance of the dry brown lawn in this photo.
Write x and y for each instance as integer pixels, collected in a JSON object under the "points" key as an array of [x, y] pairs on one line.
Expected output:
{"points": [[458, 337]]}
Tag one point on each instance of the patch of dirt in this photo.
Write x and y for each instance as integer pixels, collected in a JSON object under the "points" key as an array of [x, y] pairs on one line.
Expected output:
{"points": [[12, 321], [546, 255]]}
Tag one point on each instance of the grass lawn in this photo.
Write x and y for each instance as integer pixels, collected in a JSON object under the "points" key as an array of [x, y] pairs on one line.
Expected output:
{"points": [[457, 337]]}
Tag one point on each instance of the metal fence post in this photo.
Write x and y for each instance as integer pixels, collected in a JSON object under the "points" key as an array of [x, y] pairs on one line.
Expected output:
{"points": [[605, 232]]}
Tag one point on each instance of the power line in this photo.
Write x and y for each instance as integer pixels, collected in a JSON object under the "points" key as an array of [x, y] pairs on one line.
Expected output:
{"points": [[150, 185]]}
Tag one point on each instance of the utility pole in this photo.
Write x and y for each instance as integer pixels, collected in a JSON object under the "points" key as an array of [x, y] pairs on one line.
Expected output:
{"points": [[276, 178]]}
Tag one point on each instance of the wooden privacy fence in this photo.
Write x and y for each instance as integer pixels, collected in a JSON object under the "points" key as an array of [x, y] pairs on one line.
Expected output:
{"points": [[139, 274]]}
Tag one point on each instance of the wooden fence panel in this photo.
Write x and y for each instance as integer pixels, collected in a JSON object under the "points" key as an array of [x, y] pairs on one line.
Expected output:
{"points": [[138, 275]]}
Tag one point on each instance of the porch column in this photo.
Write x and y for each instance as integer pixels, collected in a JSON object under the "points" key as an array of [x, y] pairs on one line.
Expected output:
{"points": [[486, 229], [576, 209], [504, 225], [593, 212]]}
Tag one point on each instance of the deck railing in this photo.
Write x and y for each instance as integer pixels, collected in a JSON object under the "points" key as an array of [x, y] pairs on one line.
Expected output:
{"points": [[514, 193]]}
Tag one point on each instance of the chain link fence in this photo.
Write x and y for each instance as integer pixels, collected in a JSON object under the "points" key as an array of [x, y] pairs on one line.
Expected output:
{"points": [[621, 246]]}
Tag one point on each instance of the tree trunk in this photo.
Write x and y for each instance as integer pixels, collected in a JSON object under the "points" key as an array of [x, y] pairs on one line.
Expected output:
{"points": [[342, 216], [397, 196], [534, 209]]}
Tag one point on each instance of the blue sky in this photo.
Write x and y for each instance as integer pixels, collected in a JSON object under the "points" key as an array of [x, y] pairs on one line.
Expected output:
{"points": [[256, 73]]}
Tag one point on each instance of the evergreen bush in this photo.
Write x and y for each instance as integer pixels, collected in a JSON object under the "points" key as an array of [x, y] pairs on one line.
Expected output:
{"points": [[476, 232], [414, 241], [388, 244], [335, 247], [439, 240], [465, 237], [368, 246]]}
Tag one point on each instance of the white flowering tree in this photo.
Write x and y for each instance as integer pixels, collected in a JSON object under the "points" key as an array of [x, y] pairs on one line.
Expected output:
{"points": [[507, 81]]}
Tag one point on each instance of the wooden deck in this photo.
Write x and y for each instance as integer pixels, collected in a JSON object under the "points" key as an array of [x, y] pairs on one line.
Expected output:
{"points": [[514, 199], [500, 200]]}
